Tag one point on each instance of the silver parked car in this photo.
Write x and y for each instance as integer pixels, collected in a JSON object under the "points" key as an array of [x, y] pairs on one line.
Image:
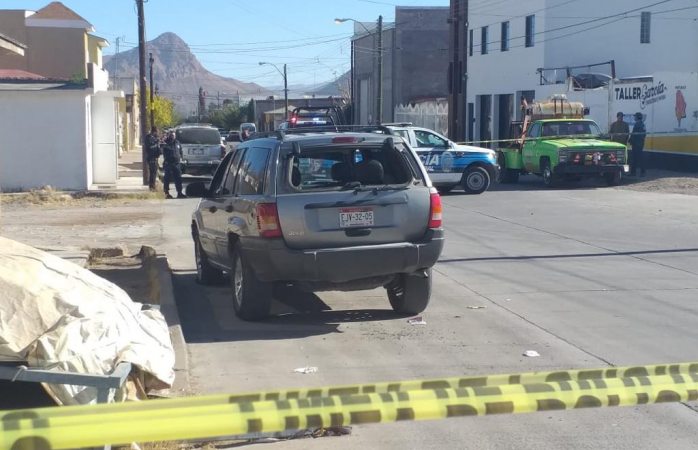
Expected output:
{"points": [[202, 148], [321, 211]]}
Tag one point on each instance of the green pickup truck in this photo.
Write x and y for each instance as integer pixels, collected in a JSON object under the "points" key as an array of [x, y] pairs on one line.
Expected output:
{"points": [[562, 149]]}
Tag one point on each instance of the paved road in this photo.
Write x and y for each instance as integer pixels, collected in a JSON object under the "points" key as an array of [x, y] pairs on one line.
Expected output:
{"points": [[587, 277]]}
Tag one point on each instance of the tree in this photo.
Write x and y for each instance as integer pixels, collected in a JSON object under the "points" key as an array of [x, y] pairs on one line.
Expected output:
{"points": [[229, 117], [163, 111]]}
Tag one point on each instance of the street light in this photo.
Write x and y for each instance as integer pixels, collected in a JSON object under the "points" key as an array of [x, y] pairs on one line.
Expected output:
{"points": [[379, 96], [283, 74]]}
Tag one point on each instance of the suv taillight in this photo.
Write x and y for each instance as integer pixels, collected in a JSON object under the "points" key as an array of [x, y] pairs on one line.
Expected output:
{"points": [[268, 220], [435, 209]]}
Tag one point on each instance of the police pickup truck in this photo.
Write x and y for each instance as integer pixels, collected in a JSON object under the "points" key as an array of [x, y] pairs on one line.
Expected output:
{"points": [[450, 165]]}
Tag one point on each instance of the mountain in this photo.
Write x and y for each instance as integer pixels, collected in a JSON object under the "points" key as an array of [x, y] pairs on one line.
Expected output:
{"points": [[336, 88], [178, 74]]}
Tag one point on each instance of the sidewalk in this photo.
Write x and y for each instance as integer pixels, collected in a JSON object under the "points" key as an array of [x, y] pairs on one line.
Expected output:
{"points": [[130, 178]]}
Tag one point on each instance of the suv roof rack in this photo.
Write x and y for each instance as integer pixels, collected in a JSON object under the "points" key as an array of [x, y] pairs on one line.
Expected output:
{"points": [[281, 134]]}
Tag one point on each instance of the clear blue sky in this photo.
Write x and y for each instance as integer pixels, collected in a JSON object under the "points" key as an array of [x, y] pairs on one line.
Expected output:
{"points": [[230, 37]]}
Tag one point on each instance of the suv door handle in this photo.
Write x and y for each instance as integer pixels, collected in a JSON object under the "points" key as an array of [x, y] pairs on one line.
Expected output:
{"points": [[229, 208], [213, 209]]}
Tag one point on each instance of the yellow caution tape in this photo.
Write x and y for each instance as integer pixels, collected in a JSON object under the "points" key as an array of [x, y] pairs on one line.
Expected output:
{"points": [[477, 381], [220, 415]]}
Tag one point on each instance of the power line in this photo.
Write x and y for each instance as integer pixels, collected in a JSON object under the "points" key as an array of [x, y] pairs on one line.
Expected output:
{"points": [[566, 27]]}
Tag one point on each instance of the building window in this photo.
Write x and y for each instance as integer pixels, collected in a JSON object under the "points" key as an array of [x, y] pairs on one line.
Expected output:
{"points": [[472, 39], [505, 36], [530, 30], [645, 18], [483, 41]]}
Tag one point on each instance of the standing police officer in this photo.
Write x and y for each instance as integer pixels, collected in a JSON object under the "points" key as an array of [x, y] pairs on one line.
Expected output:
{"points": [[172, 151], [637, 142]]}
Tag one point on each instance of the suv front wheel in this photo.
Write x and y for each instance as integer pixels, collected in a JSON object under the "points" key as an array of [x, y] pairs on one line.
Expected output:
{"points": [[410, 293], [251, 297]]}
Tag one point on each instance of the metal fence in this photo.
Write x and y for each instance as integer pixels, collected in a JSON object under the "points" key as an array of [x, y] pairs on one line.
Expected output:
{"points": [[432, 115]]}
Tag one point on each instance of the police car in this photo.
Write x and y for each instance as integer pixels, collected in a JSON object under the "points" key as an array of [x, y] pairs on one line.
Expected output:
{"points": [[450, 165]]}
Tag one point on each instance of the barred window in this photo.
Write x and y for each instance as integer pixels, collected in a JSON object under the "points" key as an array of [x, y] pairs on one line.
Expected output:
{"points": [[505, 36], [471, 43], [645, 18], [530, 30]]}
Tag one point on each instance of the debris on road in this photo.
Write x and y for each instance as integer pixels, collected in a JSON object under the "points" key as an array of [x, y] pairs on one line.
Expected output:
{"points": [[531, 353], [477, 307], [331, 431], [419, 320], [309, 369]]}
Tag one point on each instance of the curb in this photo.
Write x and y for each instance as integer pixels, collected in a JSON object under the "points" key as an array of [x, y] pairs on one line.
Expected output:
{"points": [[168, 308]]}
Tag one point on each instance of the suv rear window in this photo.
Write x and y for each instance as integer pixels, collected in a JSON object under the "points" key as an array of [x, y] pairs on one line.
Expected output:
{"points": [[344, 166], [204, 136]]}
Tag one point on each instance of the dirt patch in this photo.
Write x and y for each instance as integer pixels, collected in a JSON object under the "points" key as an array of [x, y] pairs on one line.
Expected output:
{"points": [[50, 196], [136, 274], [664, 181], [84, 219]]}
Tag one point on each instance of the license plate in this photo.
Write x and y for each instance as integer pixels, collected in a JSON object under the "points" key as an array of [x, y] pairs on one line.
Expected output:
{"points": [[355, 217], [196, 151]]}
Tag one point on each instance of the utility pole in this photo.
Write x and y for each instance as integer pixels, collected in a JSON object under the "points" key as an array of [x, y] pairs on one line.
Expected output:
{"points": [[152, 92], [351, 85], [379, 97], [464, 43], [142, 88], [116, 61], [458, 70], [286, 92]]}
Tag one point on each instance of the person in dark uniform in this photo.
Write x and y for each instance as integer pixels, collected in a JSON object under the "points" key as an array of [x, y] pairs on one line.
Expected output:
{"points": [[152, 153], [620, 130], [172, 152], [637, 142]]}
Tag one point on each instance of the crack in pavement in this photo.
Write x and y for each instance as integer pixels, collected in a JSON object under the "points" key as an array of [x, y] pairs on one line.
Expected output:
{"points": [[562, 236]]}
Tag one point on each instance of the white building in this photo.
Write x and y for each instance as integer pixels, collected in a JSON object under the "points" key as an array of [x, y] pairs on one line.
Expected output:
{"points": [[58, 133], [510, 40]]}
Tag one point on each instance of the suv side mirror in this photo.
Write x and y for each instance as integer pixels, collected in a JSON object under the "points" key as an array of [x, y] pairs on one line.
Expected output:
{"points": [[196, 189]]}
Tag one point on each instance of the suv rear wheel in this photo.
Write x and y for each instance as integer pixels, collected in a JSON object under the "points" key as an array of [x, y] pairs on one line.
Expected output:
{"points": [[205, 272], [251, 297], [410, 293], [476, 180]]}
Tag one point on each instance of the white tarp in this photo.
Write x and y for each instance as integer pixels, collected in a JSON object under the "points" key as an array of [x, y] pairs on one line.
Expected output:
{"points": [[57, 315]]}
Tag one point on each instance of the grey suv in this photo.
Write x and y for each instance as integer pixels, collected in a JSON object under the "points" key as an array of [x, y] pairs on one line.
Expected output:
{"points": [[322, 211], [202, 150]]}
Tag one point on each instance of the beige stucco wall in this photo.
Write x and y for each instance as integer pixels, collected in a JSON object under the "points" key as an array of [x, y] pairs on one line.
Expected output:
{"points": [[12, 25], [94, 50], [57, 52]]}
